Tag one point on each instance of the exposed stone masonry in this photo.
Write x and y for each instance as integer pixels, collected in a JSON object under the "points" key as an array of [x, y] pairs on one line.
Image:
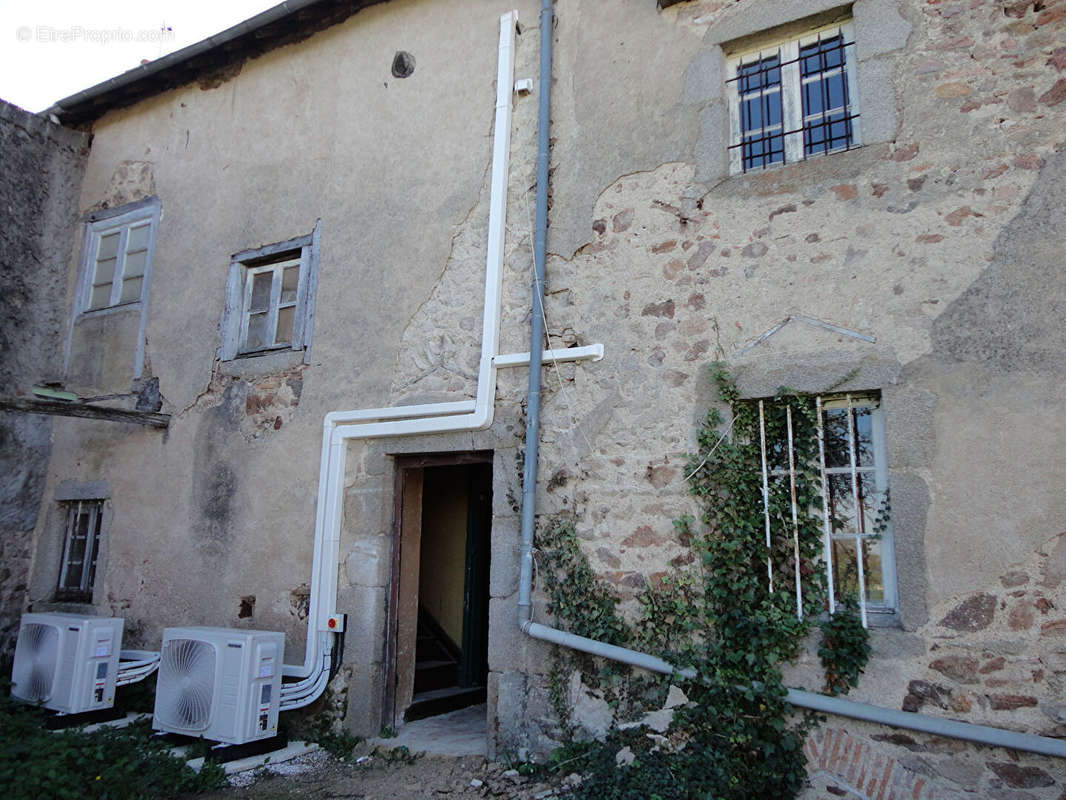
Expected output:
{"points": [[41, 165]]}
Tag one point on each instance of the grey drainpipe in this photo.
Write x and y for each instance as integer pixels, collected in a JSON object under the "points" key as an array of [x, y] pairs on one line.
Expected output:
{"points": [[938, 726], [536, 333]]}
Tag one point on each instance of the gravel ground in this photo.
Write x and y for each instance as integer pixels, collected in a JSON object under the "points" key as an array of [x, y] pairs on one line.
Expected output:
{"points": [[378, 776]]}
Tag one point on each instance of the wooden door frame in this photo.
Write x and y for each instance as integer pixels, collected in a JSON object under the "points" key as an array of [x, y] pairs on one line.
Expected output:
{"points": [[405, 465]]}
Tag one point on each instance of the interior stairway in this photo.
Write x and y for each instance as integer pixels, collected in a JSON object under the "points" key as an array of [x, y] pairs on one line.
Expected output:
{"points": [[437, 689]]}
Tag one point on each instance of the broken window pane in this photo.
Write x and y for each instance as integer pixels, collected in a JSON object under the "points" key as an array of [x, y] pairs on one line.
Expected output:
{"points": [[80, 551]]}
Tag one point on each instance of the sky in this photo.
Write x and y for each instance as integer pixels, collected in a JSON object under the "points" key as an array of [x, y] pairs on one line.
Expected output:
{"points": [[51, 49]]}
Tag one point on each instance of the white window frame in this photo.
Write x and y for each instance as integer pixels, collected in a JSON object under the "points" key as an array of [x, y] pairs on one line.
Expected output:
{"points": [[87, 566], [274, 258], [883, 613], [275, 304], [118, 221], [792, 118]]}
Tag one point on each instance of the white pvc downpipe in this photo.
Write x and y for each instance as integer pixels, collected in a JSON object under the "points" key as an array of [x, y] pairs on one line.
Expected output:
{"points": [[938, 726], [341, 426]]}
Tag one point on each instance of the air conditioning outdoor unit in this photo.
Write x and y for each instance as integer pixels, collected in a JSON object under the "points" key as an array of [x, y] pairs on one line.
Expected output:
{"points": [[223, 684], [67, 662]]}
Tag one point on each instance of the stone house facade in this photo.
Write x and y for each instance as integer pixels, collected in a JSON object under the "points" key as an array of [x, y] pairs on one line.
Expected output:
{"points": [[300, 221]]}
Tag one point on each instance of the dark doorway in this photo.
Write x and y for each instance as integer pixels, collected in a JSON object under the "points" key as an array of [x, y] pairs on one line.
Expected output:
{"points": [[438, 649]]}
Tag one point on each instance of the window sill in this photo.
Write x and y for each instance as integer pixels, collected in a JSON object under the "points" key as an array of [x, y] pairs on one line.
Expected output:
{"points": [[261, 362], [65, 606], [780, 178], [883, 620], [116, 309]]}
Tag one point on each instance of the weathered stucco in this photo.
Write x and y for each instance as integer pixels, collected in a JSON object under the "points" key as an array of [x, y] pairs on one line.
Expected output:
{"points": [[229, 490], [940, 239], [41, 163]]}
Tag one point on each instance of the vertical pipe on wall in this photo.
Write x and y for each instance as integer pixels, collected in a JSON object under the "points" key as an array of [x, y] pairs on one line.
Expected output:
{"points": [[536, 333], [766, 498]]}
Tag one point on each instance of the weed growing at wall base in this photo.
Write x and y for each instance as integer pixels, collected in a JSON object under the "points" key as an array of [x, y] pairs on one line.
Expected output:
{"points": [[732, 619], [116, 763]]}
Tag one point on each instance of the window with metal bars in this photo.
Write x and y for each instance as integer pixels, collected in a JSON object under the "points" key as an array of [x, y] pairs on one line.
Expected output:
{"points": [[117, 256], [793, 100], [81, 549], [854, 511]]}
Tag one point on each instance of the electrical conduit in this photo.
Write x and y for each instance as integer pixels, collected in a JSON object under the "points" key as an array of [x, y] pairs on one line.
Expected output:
{"points": [[341, 426], [832, 705]]}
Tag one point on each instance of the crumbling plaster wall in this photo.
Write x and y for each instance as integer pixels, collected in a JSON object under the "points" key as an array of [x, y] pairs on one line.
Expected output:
{"points": [[39, 178], [656, 253], [939, 238], [213, 519]]}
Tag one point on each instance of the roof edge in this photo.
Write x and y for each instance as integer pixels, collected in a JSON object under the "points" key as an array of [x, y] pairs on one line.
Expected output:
{"points": [[246, 39]]}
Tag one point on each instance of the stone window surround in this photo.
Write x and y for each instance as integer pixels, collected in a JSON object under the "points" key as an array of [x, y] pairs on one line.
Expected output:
{"points": [[51, 546], [878, 615], [879, 30], [906, 421], [148, 208], [234, 311], [793, 127]]}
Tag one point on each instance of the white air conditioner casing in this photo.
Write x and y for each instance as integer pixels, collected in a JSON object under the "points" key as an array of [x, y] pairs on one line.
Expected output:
{"points": [[223, 684], [67, 662]]}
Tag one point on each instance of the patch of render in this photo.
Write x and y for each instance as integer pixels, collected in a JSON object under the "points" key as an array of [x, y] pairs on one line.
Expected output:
{"points": [[42, 168], [996, 367], [441, 345], [878, 240], [438, 361], [1009, 319], [681, 93], [610, 65]]}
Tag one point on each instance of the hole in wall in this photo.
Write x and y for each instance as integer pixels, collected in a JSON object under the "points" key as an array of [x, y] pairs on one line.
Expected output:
{"points": [[403, 64], [247, 606]]}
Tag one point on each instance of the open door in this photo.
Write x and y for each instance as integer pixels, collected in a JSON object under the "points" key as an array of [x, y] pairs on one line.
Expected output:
{"points": [[437, 654]]}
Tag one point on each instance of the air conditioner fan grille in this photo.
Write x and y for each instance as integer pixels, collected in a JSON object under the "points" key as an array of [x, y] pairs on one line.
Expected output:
{"points": [[185, 688], [36, 662]]}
